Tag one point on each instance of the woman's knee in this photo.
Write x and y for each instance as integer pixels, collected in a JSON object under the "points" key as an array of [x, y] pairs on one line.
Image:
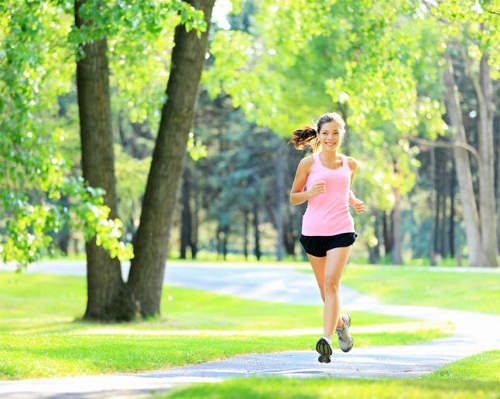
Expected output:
{"points": [[331, 286]]}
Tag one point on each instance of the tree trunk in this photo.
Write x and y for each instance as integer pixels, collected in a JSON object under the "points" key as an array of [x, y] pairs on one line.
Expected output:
{"points": [[442, 221], [186, 217], [387, 233], [432, 207], [225, 240], [256, 232], [374, 251], [222, 239], [463, 167], [451, 220], [280, 189], [487, 202], [479, 216], [194, 225], [497, 195], [106, 295], [246, 224], [435, 253], [153, 236], [397, 257], [289, 236]]}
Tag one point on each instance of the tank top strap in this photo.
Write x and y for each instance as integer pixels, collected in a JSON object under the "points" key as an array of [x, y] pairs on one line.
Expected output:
{"points": [[345, 164], [317, 161]]}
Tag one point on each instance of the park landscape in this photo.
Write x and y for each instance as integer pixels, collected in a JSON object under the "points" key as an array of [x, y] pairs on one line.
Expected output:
{"points": [[142, 141], [43, 336]]}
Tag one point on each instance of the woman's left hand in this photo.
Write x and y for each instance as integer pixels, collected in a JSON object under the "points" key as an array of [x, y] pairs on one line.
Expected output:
{"points": [[358, 205]]}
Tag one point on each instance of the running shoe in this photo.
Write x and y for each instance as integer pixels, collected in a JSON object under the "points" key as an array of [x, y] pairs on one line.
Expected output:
{"points": [[324, 348], [346, 342]]}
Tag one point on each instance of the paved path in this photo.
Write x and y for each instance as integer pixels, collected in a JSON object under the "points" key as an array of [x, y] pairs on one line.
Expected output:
{"points": [[474, 333]]}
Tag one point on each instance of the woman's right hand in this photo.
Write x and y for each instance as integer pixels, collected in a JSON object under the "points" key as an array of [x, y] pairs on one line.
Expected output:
{"points": [[317, 188]]}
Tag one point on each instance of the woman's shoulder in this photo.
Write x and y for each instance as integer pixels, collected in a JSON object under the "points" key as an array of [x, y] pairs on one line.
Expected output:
{"points": [[353, 164], [307, 162]]}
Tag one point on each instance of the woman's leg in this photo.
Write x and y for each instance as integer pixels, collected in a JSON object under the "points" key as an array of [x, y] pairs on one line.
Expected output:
{"points": [[323, 346], [318, 266], [336, 259]]}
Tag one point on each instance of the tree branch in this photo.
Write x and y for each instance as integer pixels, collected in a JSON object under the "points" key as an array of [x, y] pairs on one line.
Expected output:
{"points": [[450, 144]]}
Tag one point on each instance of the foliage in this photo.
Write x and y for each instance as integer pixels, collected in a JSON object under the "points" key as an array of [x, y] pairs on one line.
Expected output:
{"points": [[39, 44], [472, 23], [378, 63], [373, 65], [36, 174], [237, 176], [131, 176], [282, 62]]}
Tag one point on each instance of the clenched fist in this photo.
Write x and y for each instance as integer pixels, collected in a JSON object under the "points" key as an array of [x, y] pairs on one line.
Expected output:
{"points": [[358, 205], [318, 188]]}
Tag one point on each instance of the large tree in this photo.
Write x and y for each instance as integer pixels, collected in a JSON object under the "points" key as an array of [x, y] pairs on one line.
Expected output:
{"points": [[472, 35], [105, 286], [478, 209], [160, 199], [108, 296]]}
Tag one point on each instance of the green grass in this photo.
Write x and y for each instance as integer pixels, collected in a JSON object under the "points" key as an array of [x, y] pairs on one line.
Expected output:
{"points": [[473, 291], [270, 388], [50, 303], [483, 367], [476, 377], [50, 355], [41, 334]]}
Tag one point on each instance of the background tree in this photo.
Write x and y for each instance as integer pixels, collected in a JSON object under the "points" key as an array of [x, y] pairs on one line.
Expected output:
{"points": [[106, 298], [349, 57], [474, 36], [237, 177], [279, 64], [369, 62]]}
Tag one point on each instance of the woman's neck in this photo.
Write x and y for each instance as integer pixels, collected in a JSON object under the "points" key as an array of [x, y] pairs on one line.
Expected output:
{"points": [[332, 155]]}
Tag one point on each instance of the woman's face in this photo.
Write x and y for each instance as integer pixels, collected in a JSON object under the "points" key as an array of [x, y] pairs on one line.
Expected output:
{"points": [[330, 136]]}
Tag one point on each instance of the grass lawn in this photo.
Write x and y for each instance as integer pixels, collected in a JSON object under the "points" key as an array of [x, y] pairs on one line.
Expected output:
{"points": [[464, 290], [41, 336], [476, 377]]}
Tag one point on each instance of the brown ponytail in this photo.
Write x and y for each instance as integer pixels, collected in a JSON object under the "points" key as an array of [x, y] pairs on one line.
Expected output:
{"points": [[305, 137]]}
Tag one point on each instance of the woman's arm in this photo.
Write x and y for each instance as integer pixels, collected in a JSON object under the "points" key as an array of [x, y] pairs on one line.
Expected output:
{"points": [[356, 203], [297, 193]]}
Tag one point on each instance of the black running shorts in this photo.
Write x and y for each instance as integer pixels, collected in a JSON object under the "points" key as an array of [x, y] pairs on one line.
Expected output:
{"points": [[319, 245]]}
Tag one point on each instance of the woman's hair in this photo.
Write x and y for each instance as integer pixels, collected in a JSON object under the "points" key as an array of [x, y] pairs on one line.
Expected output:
{"points": [[308, 135]]}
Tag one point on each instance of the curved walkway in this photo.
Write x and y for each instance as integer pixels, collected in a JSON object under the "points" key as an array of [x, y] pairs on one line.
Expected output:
{"points": [[474, 333]]}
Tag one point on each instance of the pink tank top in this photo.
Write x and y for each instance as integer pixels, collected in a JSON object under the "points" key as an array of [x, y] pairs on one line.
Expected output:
{"points": [[328, 214]]}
